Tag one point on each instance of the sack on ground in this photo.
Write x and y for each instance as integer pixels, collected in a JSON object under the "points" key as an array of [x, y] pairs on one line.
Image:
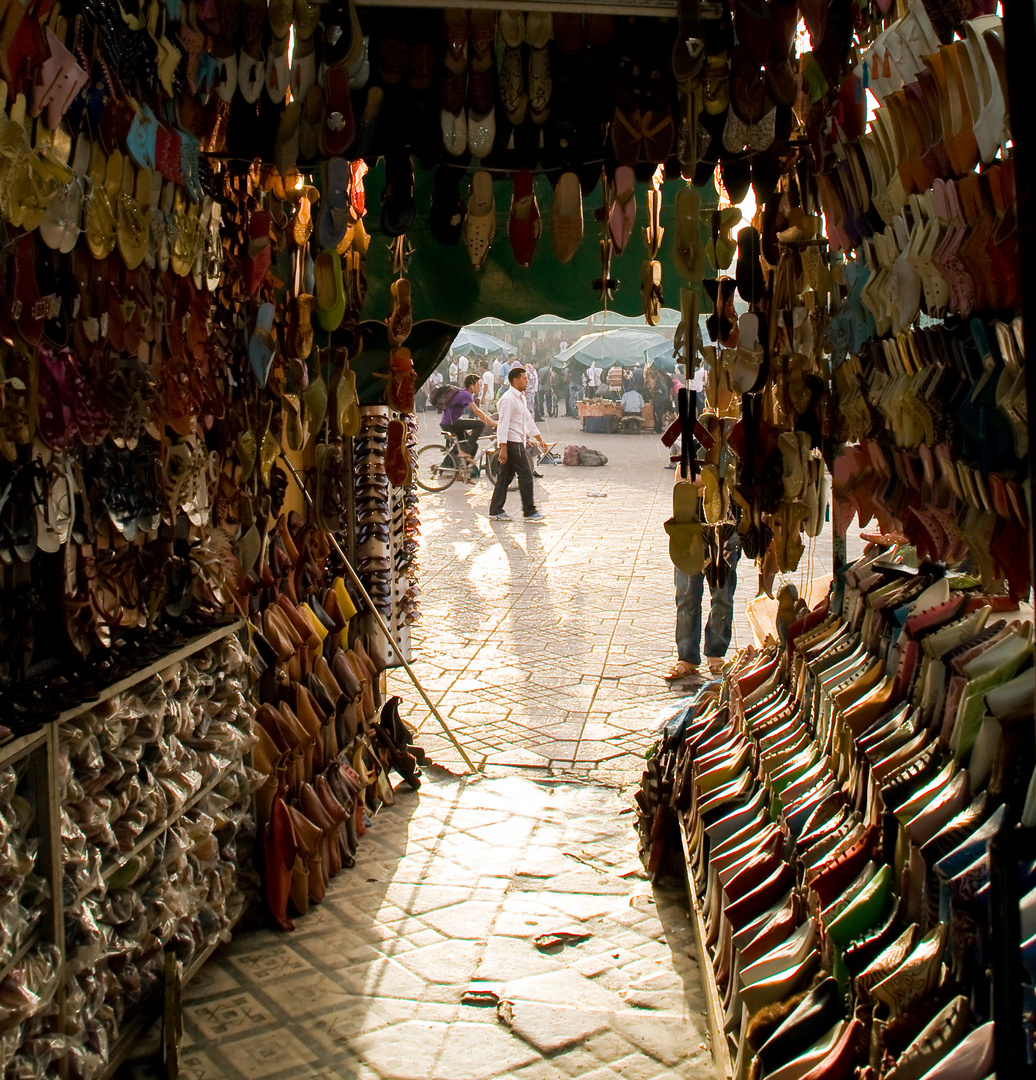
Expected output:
{"points": [[591, 457], [582, 455]]}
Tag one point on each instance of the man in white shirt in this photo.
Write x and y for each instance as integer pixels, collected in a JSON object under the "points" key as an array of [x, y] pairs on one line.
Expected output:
{"points": [[489, 382], [593, 379], [434, 382], [515, 427], [453, 372], [462, 366]]}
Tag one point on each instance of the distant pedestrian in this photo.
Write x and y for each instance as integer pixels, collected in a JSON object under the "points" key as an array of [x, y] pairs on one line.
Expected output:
{"points": [[515, 428], [532, 386], [575, 387], [559, 386], [593, 379]]}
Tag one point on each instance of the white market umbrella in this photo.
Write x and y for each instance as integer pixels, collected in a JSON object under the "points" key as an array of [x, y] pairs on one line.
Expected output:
{"points": [[472, 341], [627, 348]]}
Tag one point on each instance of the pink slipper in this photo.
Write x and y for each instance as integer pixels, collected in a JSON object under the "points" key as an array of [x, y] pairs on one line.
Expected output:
{"points": [[622, 214]]}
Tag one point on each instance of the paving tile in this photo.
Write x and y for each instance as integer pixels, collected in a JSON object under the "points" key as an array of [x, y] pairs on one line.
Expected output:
{"points": [[476, 1051], [436, 906], [406, 1051], [265, 1054], [550, 1028]]}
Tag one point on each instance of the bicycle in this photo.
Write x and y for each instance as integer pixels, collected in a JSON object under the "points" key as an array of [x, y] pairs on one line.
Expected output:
{"points": [[437, 466]]}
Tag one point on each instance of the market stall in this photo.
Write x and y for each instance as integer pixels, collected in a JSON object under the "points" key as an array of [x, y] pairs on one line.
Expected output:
{"points": [[238, 236]]}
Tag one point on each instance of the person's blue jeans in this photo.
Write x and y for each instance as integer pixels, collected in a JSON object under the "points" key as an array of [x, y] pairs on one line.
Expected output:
{"points": [[689, 591]]}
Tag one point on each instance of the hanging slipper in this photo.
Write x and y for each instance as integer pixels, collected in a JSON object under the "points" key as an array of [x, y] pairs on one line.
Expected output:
{"points": [[295, 431], [446, 219], [339, 128], [400, 322], [347, 409], [686, 546], [481, 36], [524, 224], [397, 459], [262, 345], [258, 256], [622, 213], [330, 289], [627, 135], [567, 217], [651, 291], [315, 399], [540, 86], [751, 284], [455, 24], [606, 285], [721, 247], [399, 394], [688, 251], [480, 222], [654, 231], [657, 132], [454, 117]]}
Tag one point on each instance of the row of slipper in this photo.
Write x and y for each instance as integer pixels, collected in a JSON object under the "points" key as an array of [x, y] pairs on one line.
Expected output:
{"points": [[773, 948]]}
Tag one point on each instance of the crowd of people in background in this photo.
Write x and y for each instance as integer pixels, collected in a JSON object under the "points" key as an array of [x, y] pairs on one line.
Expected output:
{"points": [[554, 391]]}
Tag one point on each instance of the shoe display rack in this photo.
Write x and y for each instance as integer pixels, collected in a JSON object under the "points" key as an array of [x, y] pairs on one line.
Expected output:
{"points": [[128, 831], [832, 804]]}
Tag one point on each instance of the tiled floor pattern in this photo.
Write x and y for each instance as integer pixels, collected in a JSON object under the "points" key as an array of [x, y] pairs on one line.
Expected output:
{"points": [[546, 645], [452, 886]]}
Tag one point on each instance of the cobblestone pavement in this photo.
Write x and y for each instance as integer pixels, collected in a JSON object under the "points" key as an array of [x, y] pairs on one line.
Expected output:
{"points": [[546, 645], [499, 927]]}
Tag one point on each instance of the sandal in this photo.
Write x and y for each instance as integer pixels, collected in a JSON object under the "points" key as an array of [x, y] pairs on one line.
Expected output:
{"points": [[684, 671]]}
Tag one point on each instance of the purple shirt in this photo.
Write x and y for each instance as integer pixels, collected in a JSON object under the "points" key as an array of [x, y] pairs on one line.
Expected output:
{"points": [[455, 410]]}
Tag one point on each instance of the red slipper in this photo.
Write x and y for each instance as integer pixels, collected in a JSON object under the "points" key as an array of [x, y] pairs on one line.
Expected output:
{"points": [[339, 128], [524, 227], [400, 394], [259, 256], [28, 310], [397, 460]]}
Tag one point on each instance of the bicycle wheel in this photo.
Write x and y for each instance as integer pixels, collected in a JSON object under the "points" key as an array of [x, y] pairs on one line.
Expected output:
{"points": [[493, 471], [435, 467], [492, 466]]}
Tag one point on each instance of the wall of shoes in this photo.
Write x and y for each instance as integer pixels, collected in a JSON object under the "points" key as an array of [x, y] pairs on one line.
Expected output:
{"points": [[831, 804], [835, 801]]}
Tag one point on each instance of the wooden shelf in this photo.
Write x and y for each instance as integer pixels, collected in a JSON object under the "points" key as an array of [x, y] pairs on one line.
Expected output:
{"points": [[150, 1013], [721, 1059], [22, 745], [32, 940], [203, 641]]}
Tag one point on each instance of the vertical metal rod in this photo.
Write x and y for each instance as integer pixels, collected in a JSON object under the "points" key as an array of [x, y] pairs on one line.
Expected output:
{"points": [[380, 621]]}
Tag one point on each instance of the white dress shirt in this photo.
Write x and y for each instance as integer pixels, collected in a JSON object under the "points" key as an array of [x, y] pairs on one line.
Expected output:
{"points": [[514, 421]]}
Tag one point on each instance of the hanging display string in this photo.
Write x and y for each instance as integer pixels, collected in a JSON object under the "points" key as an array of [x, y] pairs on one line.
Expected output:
{"points": [[380, 621]]}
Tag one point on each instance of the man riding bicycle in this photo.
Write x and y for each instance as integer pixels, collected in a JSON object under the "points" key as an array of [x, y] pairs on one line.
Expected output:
{"points": [[453, 420]]}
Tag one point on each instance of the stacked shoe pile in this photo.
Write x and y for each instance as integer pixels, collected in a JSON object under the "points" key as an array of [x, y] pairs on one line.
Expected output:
{"points": [[837, 801], [157, 830], [325, 746], [19, 848]]}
